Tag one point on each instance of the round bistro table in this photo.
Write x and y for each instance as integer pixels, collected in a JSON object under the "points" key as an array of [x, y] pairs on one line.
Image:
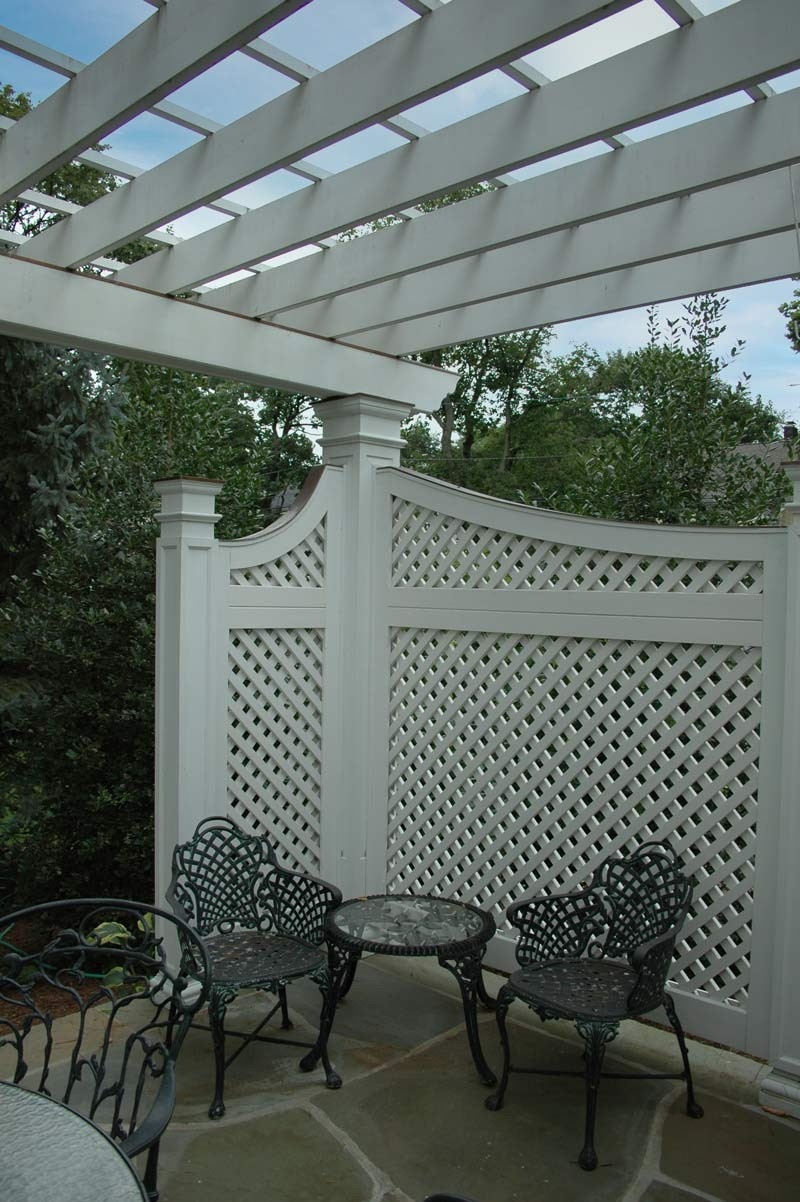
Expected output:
{"points": [[50, 1151], [403, 924]]}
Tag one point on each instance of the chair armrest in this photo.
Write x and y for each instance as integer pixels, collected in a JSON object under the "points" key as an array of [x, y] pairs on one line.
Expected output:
{"points": [[557, 927], [298, 903], [154, 1123], [651, 963]]}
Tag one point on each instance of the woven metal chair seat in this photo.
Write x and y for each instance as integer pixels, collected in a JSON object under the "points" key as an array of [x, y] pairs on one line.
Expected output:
{"points": [[257, 957], [598, 955], [577, 989]]}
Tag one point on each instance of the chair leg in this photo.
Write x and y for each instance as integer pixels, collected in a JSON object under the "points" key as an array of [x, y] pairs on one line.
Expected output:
{"points": [[595, 1037], [217, 1006], [328, 983], [693, 1108], [504, 999], [286, 1022], [151, 1172]]}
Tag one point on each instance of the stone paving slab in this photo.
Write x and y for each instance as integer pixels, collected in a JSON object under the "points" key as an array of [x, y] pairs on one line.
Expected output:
{"points": [[738, 1153], [410, 1118]]}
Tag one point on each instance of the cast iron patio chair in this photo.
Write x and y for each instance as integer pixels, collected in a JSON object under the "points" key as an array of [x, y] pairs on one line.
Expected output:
{"points": [[598, 956], [263, 926], [101, 961]]}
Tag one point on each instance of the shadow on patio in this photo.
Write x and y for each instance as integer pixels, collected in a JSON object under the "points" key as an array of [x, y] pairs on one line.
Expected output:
{"points": [[410, 1119]]}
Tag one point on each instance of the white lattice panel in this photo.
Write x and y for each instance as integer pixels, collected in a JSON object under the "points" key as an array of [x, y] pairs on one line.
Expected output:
{"points": [[516, 763], [430, 549], [301, 567], [275, 739]]}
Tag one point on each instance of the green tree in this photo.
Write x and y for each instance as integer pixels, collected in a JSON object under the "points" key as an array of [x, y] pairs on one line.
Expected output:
{"points": [[791, 311], [76, 770], [672, 455], [56, 409]]}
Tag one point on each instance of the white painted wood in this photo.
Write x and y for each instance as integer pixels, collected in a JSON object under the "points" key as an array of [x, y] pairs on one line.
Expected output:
{"points": [[764, 976], [719, 216], [414, 63], [530, 736], [752, 262], [169, 48], [361, 434], [730, 146], [186, 684], [64, 64], [44, 303], [781, 1089], [717, 55]]}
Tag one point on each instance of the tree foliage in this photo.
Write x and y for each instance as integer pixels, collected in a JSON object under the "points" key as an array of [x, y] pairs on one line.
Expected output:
{"points": [[672, 456], [56, 408], [76, 771], [791, 311]]}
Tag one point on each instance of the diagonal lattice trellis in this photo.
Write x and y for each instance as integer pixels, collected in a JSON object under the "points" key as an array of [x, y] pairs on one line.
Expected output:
{"points": [[516, 763], [275, 739], [301, 567], [431, 549]]}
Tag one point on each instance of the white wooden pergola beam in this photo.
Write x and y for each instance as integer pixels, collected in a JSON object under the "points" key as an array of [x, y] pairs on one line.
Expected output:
{"points": [[64, 64], [683, 12], [731, 213], [449, 47], [731, 266], [154, 59], [125, 170], [734, 145], [48, 304], [717, 55]]}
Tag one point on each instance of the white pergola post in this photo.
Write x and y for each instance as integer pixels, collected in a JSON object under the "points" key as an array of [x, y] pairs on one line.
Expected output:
{"points": [[780, 1090], [360, 434], [186, 773]]}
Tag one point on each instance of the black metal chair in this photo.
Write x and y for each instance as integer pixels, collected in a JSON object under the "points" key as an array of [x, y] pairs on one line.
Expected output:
{"points": [[263, 926], [598, 956], [134, 992]]}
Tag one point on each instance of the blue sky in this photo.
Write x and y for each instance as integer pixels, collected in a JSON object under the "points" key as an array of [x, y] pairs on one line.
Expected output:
{"points": [[326, 31]]}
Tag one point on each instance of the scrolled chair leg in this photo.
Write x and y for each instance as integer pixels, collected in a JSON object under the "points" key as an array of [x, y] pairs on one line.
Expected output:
{"points": [[151, 1172], [327, 984], [693, 1108], [286, 1022], [216, 1017], [504, 999], [595, 1036]]}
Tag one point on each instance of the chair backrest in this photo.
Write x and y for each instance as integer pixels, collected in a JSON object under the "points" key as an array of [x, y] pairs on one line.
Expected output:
{"points": [[102, 968], [218, 877], [646, 893]]}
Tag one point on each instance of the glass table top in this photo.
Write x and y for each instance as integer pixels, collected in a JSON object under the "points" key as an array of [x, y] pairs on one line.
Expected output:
{"points": [[50, 1151], [409, 922]]}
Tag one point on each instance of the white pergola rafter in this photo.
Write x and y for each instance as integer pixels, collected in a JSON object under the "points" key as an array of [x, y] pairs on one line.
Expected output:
{"points": [[749, 140], [731, 213], [567, 113], [169, 48], [723, 267], [641, 222], [447, 48]]}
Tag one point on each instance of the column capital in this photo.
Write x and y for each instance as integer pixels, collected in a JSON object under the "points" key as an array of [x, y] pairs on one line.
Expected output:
{"points": [[367, 421], [187, 506]]}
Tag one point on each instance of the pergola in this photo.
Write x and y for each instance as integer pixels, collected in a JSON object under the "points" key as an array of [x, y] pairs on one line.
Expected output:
{"points": [[705, 206], [592, 208]]}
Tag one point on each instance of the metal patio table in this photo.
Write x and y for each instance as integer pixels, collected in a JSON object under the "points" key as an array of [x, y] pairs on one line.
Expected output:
{"points": [[50, 1151], [403, 924]]}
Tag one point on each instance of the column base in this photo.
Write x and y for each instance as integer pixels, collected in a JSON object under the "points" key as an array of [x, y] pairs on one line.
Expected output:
{"points": [[780, 1091]]}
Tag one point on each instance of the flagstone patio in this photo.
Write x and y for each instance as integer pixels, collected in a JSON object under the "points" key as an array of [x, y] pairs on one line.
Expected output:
{"points": [[410, 1119]]}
